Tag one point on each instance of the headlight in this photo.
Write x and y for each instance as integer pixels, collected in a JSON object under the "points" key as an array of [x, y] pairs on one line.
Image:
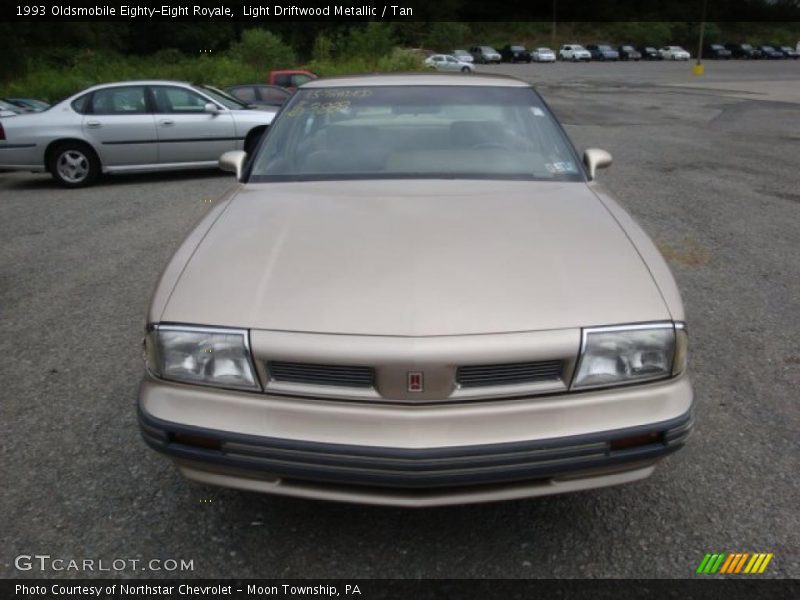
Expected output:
{"points": [[630, 354], [206, 356]]}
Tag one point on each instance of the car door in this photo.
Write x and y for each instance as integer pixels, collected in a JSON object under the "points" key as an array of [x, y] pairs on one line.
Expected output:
{"points": [[119, 124], [272, 95], [451, 64], [186, 132], [245, 93]]}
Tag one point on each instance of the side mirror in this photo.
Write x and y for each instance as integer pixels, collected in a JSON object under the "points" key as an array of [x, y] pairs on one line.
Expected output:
{"points": [[233, 161], [211, 108], [595, 158]]}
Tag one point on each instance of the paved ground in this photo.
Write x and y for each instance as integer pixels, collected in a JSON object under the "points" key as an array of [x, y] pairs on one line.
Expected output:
{"points": [[712, 177]]}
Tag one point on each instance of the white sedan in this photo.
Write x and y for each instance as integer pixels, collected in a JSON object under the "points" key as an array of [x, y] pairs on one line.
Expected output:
{"points": [[447, 62], [574, 52], [674, 53], [130, 126], [543, 55]]}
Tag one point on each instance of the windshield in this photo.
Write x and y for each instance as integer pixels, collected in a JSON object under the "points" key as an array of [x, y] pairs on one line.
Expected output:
{"points": [[381, 132], [223, 98], [8, 106]]}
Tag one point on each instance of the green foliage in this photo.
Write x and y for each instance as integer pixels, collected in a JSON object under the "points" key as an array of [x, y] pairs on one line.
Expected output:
{"points": [[399, 59], [411, 34], [446, 36], [246, 62], [640, 33], [323, 48], [263, 50], [168, 56], [369, 42], [50, 82]]}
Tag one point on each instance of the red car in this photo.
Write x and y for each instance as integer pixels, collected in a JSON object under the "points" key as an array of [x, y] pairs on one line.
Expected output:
{"points": [[290, 79]]}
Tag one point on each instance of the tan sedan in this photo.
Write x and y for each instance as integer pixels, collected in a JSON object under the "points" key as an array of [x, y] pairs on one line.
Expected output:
{"points": [[417, 295]]}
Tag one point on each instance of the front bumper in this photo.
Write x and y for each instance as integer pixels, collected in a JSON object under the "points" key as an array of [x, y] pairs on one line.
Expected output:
{"points": [[415, 456]]}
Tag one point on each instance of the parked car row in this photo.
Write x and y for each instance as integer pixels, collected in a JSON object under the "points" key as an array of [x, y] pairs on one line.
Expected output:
{"points": [[728, 51], [513, 53], [605, 52]]}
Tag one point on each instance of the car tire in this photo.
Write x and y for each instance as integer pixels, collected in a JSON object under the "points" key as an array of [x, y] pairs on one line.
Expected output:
{"points": [[73, 164], [465, 69]]}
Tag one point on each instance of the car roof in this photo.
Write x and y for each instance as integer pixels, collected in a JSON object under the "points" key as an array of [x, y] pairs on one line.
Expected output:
{"points": [[138, 82], [435, 79]]}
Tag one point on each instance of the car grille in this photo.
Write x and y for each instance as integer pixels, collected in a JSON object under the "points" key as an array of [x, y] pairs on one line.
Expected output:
{"points": [[338, 375], [509, 374]]}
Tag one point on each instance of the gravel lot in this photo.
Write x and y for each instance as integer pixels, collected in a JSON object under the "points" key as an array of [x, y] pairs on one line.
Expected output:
{"points": [[708, 165]]}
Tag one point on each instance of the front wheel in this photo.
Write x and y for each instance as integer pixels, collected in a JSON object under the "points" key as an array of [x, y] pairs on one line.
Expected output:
{"points": [[74, 165], [465, 69]]}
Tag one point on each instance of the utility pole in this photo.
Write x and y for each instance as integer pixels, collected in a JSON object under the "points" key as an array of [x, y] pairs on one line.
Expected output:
{"points": [[698, 68], [553, 31]]}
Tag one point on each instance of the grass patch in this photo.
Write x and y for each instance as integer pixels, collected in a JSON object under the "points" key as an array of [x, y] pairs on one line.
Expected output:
{"points": [[53, 83], [686, 252]]}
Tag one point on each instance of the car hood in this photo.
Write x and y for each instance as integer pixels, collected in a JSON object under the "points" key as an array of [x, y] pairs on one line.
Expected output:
{"points": [[415, 258]]}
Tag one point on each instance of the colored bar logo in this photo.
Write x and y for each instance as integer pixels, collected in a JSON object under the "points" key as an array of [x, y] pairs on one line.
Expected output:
{"points": [[734, 563]]}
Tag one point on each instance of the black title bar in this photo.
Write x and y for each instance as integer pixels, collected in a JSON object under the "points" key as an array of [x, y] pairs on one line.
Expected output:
{"points": [[404, 10]]}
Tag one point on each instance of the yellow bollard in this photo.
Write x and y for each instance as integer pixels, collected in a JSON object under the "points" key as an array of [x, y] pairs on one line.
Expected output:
{"points": [[698, 69]]}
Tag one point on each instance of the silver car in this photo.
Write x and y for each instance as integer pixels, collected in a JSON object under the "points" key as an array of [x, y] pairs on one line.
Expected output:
{"points": [[463, 56], [447, 62], [130, 126], [543, 55], [452, 310]]}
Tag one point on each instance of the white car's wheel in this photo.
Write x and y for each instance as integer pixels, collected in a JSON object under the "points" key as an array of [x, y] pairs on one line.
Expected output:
{"points": [[73, 164]]}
